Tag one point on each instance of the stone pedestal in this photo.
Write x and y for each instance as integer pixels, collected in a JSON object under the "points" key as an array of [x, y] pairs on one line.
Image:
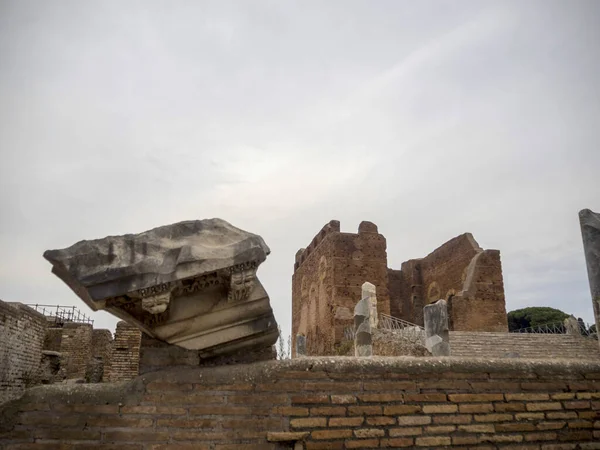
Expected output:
{"points": [[572, 326], [437, 337], [363, 345], [192, 284], [590, 231]]}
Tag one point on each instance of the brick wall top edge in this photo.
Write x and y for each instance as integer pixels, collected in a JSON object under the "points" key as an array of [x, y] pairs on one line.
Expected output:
{"points": [[333, 226], [15, 308], [454, 241]]}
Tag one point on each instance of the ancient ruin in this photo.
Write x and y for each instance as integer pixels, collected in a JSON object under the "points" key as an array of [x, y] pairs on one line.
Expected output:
{"points": [[590, 231], [329, 273], [192, 284]]}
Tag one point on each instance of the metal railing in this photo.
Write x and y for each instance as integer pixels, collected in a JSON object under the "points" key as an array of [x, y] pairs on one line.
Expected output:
{"points": [[558, 328], [61, 313], [402, 328]]}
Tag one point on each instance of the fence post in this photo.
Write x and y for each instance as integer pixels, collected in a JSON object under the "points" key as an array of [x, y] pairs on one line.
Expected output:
{"points": [[363, 345]]}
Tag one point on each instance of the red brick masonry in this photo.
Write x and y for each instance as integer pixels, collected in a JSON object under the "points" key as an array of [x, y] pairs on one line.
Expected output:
{"points": [[325, 403]]}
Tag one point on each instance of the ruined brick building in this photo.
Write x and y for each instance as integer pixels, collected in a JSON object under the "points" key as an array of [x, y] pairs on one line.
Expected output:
{"points": [[328, 275]]}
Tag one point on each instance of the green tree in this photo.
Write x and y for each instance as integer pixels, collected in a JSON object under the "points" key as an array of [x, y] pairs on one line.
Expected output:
{"points": [[534, 316]]}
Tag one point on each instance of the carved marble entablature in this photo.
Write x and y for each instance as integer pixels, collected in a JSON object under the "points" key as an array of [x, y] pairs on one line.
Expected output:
{"points": [[184, 283]]}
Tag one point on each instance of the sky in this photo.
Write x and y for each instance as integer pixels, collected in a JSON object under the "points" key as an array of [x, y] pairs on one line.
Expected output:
{"points": [[428, 118]]}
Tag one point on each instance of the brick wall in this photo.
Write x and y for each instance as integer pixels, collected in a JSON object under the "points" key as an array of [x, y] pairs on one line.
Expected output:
{"points": [[327, 281], [324, 403], [22, 332], [124, 359], [523, 345], [76, 349]]}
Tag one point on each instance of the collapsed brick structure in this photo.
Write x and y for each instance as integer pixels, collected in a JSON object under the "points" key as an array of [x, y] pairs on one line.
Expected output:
{"points": [[328, 275], [36, 349]]}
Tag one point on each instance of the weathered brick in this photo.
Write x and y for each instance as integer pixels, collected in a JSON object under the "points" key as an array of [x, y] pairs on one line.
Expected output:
{"points": [[440, 429], [135, 436], [581, 404], [551, 425], [310, 399], [424, 398], [346, 421], [501, 438], [440, 409], [328, 411], [546, 406], [161, 386], [290, 410], [547, 386], [362, 443], [529, 416], [482, 428], [464, 440], [473, 398], [580, 424], [315, 445], [492, 417], [396, 410], [563, 396], [365, 410], [407, 431], [414, 420], [509, 407], [381, 398], [453, 419], [331, 434], [526, 397], [561, 415], [513, 427], [156, 410], [308, 422], [546, 436], [343, 399], [368, 432], [396, 442], [224, 387], [186, 423], [428, 441], [381, 420], [384, 386], [330, 386], [224, 410], [471, 408]]}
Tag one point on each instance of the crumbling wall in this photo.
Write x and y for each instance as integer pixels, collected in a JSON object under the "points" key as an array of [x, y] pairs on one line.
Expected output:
{"points": [[124, 359], [322, 403], [327, 283], [460, 272], [22, 332], [101, 351]]}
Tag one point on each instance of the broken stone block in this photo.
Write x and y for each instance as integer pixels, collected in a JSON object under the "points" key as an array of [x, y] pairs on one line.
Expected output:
{"points": [[192, 284], [572, 326], [590, 232], [437, 337], [363, 345]]}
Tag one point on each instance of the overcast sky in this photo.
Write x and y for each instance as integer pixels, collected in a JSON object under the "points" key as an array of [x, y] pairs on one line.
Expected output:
{"points": [[429, 118]]}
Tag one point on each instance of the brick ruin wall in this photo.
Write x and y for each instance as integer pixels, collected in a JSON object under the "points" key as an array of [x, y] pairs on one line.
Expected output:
{"points": [[124, 361], [75, 349], [327, 281], [462, 273], [328, 275], [321, 403], [22, 333]]}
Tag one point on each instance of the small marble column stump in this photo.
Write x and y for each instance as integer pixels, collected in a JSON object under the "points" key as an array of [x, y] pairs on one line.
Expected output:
{"points": [[300, 345], [363, 345]]}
